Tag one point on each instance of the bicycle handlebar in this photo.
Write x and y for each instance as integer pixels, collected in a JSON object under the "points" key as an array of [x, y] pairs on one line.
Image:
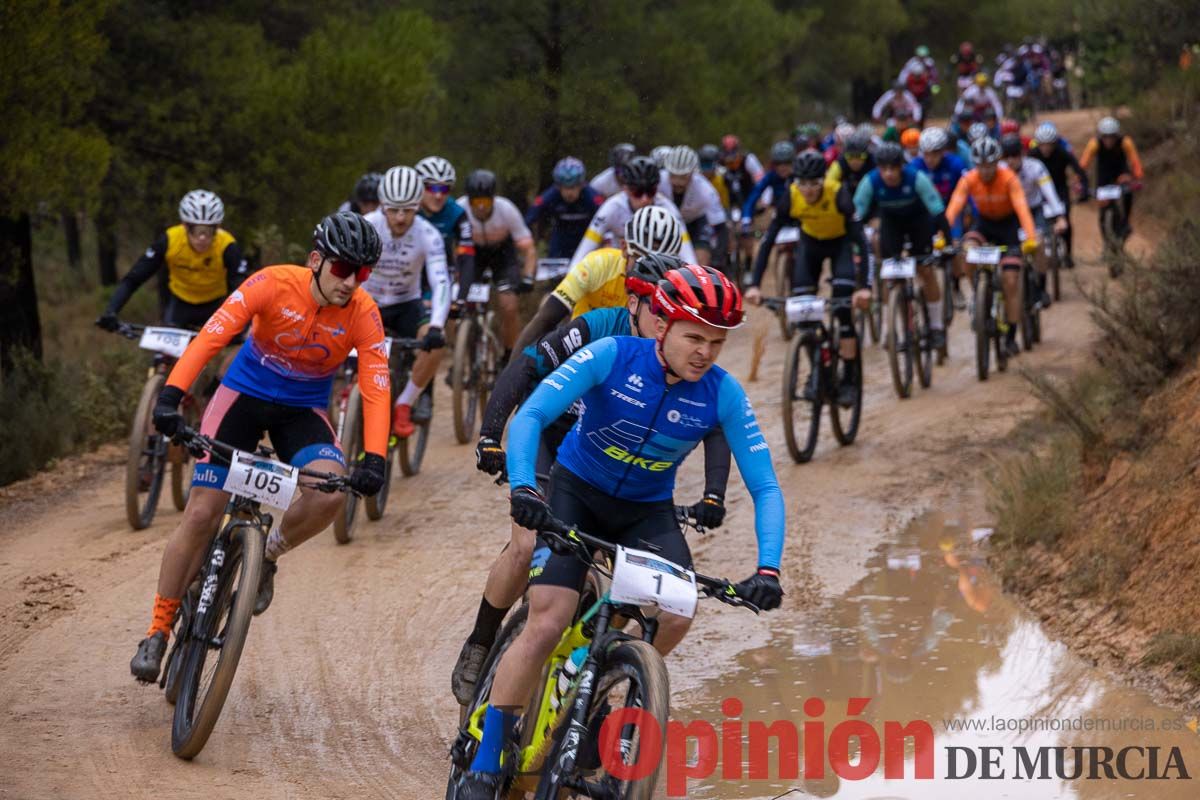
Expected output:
{"points": [[195, 441]]}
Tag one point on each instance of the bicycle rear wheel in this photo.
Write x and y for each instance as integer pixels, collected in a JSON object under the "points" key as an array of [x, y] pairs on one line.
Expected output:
{"points": [[897, 339], [376, 503], [146, 463], [464, 379], [922, 350], [1058, 253], [947, 271], [983, 323], [411, 451], [202, 691], [875, 315], [802, 417], [343, 523], [634, 677], [845, 420]]}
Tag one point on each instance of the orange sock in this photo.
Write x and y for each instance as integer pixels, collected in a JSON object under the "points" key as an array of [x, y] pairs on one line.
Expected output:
{"points": [[165, 609]]}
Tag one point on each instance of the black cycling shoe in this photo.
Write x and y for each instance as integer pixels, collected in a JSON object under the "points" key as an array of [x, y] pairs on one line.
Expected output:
{"points": [[937, 338], [266, 587], [810, 388], [478, 786], [1011, 347], [1044, 299], [466, 672], [847, 393], [423, 409], [147, 661]]}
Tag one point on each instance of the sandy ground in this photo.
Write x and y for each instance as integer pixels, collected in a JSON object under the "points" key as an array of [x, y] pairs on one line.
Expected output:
{"points": [[343, 690]]}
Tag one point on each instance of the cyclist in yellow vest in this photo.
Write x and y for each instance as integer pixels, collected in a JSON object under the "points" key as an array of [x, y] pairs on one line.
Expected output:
{"points": [[204, 264], [829, 229]]}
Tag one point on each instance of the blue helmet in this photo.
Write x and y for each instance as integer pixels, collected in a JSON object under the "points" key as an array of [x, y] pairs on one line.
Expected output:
{"points": [[569, 172]]}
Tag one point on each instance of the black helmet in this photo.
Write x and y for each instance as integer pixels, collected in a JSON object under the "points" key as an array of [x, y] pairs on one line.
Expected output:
{"points": [[347, 236], [783, 152], [1010, 145], [709, 154], [857, 143], [648, 270], [620, 153], [640, 172], [481, 183], [810, 165], [889, 154], [367, 188]]}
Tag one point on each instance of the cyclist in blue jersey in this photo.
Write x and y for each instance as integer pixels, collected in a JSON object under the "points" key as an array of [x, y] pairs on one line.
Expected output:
{"points": [[437, 174], [649, 402], [908, 206], [509, 574], [569, 205]]}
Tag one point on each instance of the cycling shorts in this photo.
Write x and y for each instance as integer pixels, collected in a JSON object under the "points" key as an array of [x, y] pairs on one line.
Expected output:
{"points": [[404, 319], [299, 435], [181, 314], [700, 231], [1005, 232], [502, 261], [919, 228], [645, 526]]}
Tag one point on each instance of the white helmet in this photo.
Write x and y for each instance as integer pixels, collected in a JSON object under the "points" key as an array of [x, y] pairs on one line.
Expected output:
{"points": [[934, 139], [401, 187], [1046, 133], [842, 132], [435, 169], [653, 229], [659, 154], [1108, 127], [977, 131], [201, 207], [681, 160]]}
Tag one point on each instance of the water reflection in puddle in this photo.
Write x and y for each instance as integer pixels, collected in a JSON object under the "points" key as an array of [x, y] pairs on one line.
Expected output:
{"points": [[928, 635]]}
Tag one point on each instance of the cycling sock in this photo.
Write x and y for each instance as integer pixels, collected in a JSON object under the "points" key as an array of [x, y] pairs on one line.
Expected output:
{"points": [[487, 623], [409, 394], [276, 545], [497, 723], [165, 609], [936, 322]]}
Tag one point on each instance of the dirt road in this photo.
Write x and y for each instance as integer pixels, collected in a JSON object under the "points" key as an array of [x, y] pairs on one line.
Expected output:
{"points": [[343, 690]]}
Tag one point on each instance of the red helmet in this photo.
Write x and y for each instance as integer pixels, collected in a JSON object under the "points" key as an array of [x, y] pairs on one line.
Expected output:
{"points": [[1009, 126], [730, 144], [966, 49], [699, 294]]}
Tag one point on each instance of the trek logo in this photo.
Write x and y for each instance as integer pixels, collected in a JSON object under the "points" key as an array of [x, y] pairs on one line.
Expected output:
{"points": [[626, 457], [634, 382], [627, 398], [294, 316]]}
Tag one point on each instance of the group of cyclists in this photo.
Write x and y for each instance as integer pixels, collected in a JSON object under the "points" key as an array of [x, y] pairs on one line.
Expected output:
{"points": [[612, 382]]}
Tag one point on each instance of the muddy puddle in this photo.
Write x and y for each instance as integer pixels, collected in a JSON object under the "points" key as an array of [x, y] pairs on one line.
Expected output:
{"points": [[928, 637]]}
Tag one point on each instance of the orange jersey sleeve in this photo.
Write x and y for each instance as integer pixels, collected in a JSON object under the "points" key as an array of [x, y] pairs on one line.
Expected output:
{"points": [[226, 322], [366, 334], [1131, 156], [1089, 152], [958, 200]]}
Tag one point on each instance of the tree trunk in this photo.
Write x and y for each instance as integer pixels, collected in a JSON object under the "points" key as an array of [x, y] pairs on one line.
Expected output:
{"points": [[106, 239], [70, 223], [19, 324]]}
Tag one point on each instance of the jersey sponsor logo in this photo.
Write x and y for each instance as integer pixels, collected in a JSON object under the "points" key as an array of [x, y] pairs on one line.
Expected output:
{"points": [[690, 402], [550, 354], [634, 382], [329, 452], [332, 331], [687, 420], [214, 326], [626, 398], [583, 356], [381, 381], [756, 448], [626, 457], [237, 297], [294, 316], [553, 384]]}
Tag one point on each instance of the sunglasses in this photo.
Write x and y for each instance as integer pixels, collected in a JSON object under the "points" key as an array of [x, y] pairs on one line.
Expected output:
{"points": [[481, 202], [641, 191], [341, 269], [438, 188], [811, 183], [200, 230], [861, 156]]}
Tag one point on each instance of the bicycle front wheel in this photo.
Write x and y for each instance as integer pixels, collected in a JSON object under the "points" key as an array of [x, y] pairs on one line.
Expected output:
{"points": [[802, 415], [983, 324], [845, 420], [898, 341], [634, 677], [204, 677], [352, 428], [147, 459]]}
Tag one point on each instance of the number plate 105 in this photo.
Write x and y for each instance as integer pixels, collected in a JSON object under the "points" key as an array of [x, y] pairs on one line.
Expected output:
{"points": [[271, 483]]}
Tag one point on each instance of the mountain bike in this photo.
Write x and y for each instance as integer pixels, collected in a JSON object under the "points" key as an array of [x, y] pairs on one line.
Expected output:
{"points": [[348, 422], [1054, 247], [1114, 228], [148, 451], [596, 670], [477, 354], [907, 332], [1031, 306], [989, 320], [874, 316], [811, 374], [783, 259], [215, 614]]}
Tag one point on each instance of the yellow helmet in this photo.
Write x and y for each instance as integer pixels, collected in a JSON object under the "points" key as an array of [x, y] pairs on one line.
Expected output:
{"points": [[981, 79]]}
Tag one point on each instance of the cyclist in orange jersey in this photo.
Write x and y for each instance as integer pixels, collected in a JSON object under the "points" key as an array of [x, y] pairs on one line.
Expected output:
{"points": [[1002, 213], [305, 322]]}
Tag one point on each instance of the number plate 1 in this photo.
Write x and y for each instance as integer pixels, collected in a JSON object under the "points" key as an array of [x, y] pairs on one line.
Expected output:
{"points": [[646, 579], [805, 308], [898, 269], [271, 483], [1111, 192], [171, 341], [479, 293], [550, 268], [983, 255]]}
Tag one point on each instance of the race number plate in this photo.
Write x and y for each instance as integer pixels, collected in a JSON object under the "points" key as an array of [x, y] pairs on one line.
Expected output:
{"points": [[983, 255], [169, 341], [805, 308], [898, 269], [646, 579], [1015, 91], [1110, 192], [550, 268], [788, 235], [479, 293], [387, 349], [271, 483]]}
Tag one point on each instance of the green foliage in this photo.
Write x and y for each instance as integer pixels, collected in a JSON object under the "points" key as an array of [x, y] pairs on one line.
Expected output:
{"points": [[1180, 649], [1033, 498]]}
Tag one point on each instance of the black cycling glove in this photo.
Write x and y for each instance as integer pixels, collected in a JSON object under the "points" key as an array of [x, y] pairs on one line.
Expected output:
{"points": [[710, 511], [489, 456], [167, 419], [369, 474], [526, 284], [108, 322], [529, 509], [762, 589], [434, 339]]}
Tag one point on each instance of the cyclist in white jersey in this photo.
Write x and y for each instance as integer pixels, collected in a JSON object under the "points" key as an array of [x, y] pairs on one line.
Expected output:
{"points": [[698, 204], [607, 182], [1045, 205], [641, 179], [410, 243]]}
